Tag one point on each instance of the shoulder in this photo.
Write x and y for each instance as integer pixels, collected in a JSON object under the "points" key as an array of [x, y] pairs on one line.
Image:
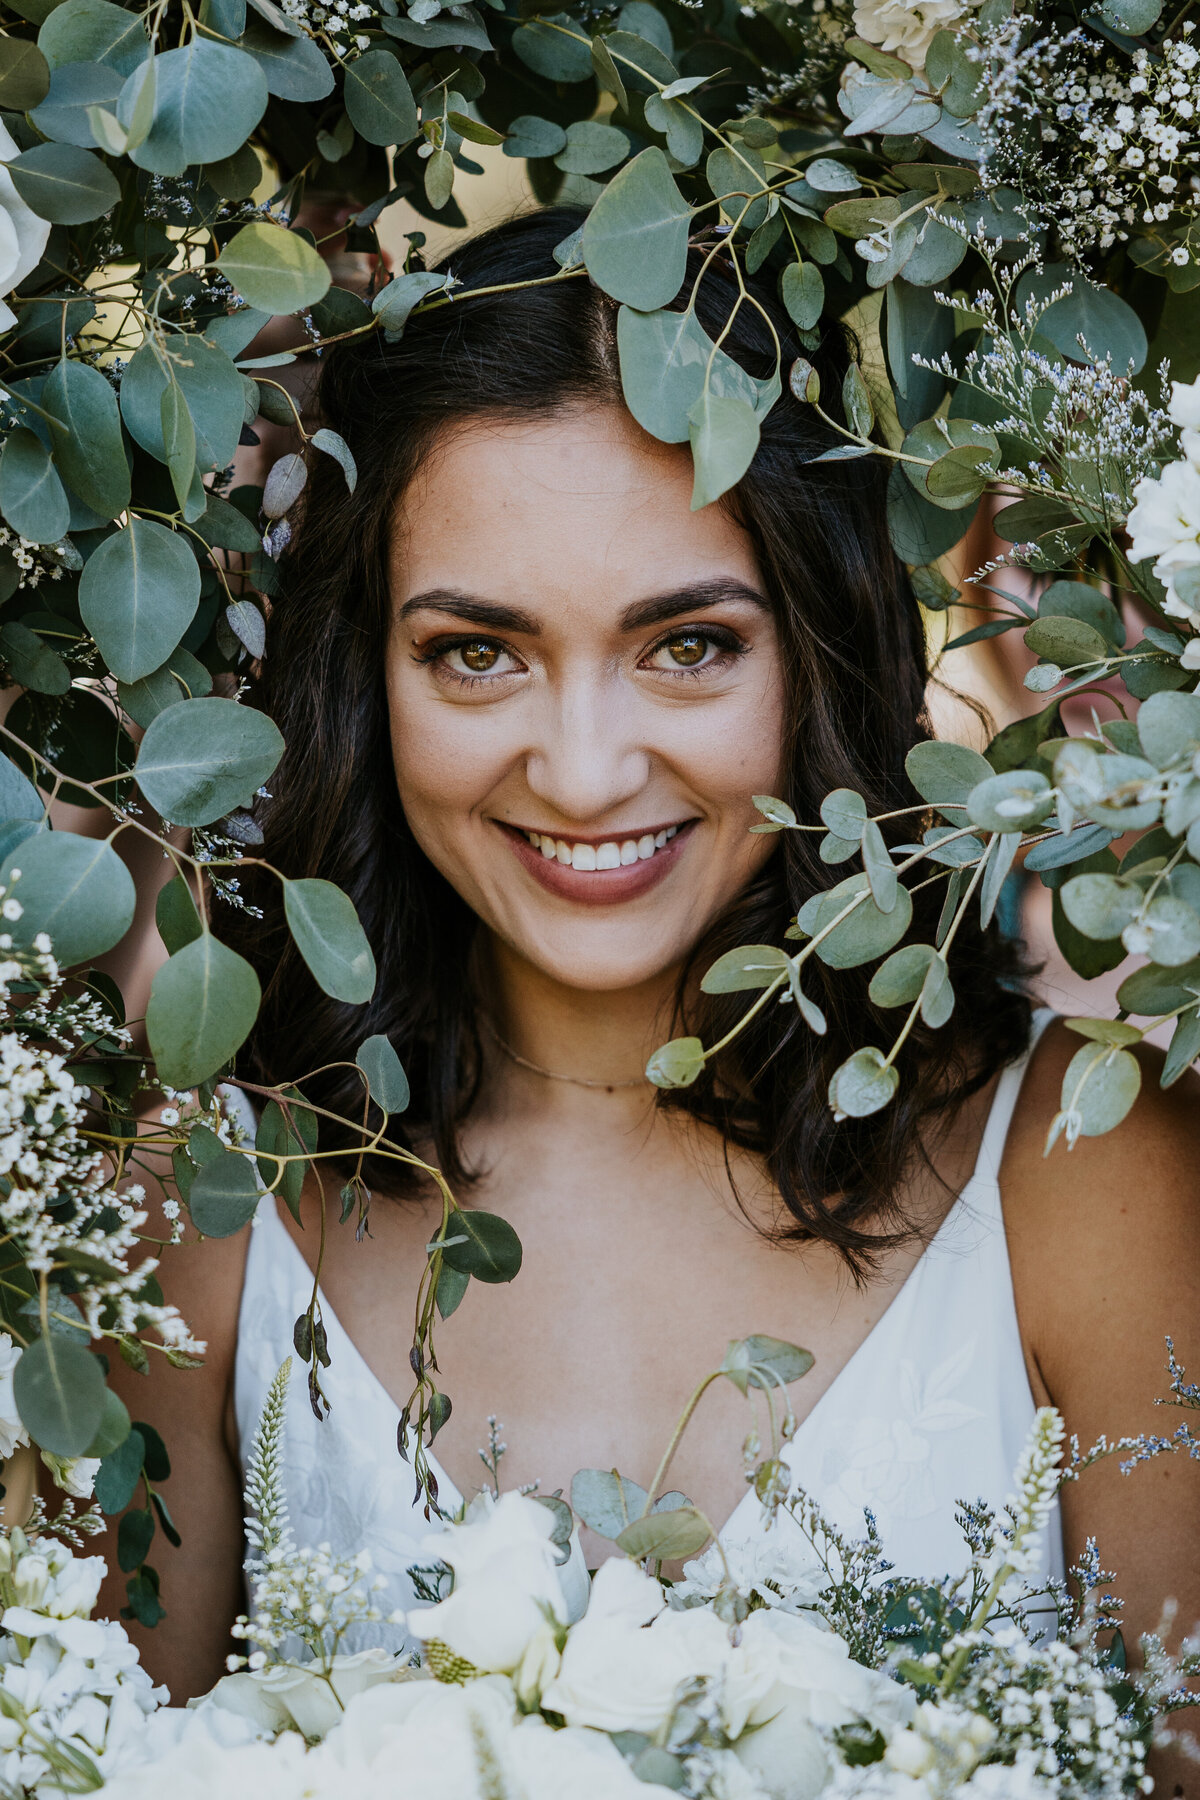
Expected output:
{"points": [[1103, 1237]]}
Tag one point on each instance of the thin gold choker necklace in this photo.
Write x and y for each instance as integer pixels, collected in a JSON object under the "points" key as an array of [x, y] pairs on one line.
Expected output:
{"points": [[523, 1062]]}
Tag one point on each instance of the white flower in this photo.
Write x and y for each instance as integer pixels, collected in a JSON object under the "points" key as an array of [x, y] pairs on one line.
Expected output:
{"points": [[308, 1697], [906, 27], [1165, 524], [506, 1583], [1191, 655], [584, 1765], [776, 1565], [22, 234], [75, 1475], [12, 1432]]}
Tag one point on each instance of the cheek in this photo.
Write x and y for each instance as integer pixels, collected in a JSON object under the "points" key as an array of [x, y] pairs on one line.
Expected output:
{"points": [[444, 763]]}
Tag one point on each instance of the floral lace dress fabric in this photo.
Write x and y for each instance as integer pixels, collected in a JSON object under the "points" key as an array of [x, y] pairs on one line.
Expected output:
{"points": [[932, 1409]]}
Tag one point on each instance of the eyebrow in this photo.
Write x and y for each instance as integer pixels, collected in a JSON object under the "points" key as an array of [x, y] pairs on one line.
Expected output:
{"points": [[657, 609]]}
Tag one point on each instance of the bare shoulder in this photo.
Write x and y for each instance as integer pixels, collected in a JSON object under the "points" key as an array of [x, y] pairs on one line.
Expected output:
{"points": [[1104, 1236]]}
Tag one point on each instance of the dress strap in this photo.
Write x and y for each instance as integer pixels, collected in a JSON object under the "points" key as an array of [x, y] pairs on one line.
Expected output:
{"points": [[1004, 1103]]}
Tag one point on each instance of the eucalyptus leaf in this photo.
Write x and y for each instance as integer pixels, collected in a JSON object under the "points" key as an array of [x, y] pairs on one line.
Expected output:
{"points": [[383, 1069], [749, 966], [59, 1390], [327, 933], [208, 98], [202, 759], [137, 595], [635, 236], [724, 435], [225, 1195], [276, 270], [75, 888], [64, 183], [379, 99], [489, 1248], [666, 1536], [203, 1001], [862, 1085], [1100, 1086], [865, 933], [32, 498], [676, 1064], [89, 449]]}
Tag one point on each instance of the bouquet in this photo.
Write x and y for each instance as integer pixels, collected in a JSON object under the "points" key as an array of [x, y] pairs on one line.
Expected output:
{"points": [[794, 1665]]}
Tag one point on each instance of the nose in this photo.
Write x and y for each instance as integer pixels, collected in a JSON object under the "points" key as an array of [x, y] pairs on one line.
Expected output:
{"points": [[588, 756]]}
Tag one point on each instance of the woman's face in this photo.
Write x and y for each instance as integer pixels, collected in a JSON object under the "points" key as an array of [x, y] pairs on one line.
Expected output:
{"points": [[585, 688]]}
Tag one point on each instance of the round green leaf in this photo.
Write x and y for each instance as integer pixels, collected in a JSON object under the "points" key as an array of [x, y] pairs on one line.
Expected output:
{"points": [[137, 596], [383, 1069], [676, 1064], [203, 758], [666, 1536], [294, 68], [379, 99], [944, 774], [225, 1195], [564, 54], [899, 980], [208, 98], [863, 1085], [326, 931], [750, 966], [802, 289], [77, 889], [724, 435], [920, 530], [1113, 1081], [395, 302], [1015, 801], [663, 357], [635, 237], [1107, 324], [209, 383], [591, 148], [114, 1426], [203, 1001], [32, 497], [1169, 727], [59, 1390], [489, 1248], [1099, 905], [24, 75], [1066, 641], [1174, 931], [31, 661], [88, 445], [74, 87], [275, 269], [64, 184], [865, 933], [81, 31], [531, 137]]}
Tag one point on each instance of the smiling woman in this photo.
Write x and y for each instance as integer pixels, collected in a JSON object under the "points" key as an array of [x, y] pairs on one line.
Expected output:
{"points": [[528, 690]]}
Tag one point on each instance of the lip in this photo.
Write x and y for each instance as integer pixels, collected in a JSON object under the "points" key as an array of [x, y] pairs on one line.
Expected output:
{"points": [[597, 887]]}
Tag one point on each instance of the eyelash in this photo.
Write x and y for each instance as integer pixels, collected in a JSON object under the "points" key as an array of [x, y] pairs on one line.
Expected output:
{"points": [[720, 637]]}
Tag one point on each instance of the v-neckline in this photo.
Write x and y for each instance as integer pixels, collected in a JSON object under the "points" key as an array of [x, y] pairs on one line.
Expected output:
{"points": [[984, 1174], [448, 1489]]}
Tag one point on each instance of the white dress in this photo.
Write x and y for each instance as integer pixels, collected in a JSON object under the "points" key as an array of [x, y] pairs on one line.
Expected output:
{"points": [[932, 1409]]}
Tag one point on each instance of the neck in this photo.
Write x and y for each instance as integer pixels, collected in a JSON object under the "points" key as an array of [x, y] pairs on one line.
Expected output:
{"points": [[597, 1039]]}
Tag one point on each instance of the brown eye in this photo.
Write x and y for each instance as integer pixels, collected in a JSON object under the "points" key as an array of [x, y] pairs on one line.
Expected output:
{"points": [[687, 649], [480, 656]]}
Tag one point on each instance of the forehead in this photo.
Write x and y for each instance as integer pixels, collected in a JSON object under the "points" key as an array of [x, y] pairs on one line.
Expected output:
{"points": [[582, 502]]}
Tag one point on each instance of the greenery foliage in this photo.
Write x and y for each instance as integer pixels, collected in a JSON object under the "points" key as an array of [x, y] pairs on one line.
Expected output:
{"points": [[882, 168]]}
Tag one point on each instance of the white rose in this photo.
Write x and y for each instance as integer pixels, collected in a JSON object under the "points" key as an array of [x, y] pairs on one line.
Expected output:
{"points": [[23, 238], [905, 28], [306, 1697], [440, 1737], [617, 1672], [12, 1432], [1184, 409], [584, 1765], [1165, 524], [201, 1768], [506, 1583]]}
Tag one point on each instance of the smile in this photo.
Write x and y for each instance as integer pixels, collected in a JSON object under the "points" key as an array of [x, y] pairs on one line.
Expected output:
{"points": [[612, 854], [599, 873]]}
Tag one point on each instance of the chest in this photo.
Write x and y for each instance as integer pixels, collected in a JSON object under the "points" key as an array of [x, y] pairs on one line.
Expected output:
{"points": [[638, 1269]]}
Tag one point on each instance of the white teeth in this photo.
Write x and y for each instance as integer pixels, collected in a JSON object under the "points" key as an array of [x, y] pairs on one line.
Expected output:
{"points": [[609, 855]]}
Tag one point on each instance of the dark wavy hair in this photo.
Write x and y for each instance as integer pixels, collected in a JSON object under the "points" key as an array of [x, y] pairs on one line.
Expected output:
{"points": [[856, 674]]}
